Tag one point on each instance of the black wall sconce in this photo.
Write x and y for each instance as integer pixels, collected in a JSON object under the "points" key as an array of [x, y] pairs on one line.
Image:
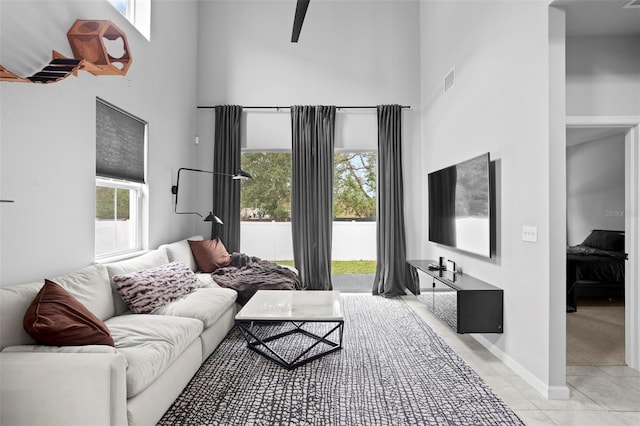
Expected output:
{"points": [[240, 174]]}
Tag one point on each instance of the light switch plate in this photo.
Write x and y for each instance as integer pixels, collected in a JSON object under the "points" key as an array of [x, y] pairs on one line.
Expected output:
{"points": [[530, 233]]}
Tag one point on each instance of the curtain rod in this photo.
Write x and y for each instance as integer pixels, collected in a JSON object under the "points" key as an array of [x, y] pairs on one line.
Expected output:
{"points": [[287, 107]]}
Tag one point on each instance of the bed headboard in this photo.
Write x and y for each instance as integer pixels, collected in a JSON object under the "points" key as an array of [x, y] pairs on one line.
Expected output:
{"points": [[604, 239]]}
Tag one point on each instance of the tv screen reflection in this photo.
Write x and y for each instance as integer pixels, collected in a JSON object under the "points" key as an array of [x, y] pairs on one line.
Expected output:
{"points": [[459, 206]]}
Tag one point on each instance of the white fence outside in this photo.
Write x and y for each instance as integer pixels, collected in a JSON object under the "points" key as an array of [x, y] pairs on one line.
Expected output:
{"points": [[272, 240], [267, 240]]}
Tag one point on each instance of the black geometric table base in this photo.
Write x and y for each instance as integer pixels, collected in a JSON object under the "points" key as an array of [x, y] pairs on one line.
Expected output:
{"points": [[264, 348]]}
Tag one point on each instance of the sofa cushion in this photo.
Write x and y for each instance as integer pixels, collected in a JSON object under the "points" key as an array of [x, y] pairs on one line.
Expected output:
{"points": [[206, 280], [150, 343], [147, 290], [55, 317], [145, 261], [14, 301], [210, 254], [91, 287], [204, 304], [180, 250]]}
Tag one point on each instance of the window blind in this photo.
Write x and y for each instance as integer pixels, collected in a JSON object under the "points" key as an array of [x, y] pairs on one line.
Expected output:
{"points": [[120, 141]]}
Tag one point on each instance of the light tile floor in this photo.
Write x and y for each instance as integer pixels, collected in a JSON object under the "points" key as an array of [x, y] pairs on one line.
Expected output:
{"points": [[600, 396]]}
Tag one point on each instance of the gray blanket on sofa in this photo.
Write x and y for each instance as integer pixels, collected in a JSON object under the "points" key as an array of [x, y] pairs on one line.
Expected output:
{"points": [[248, 274]]}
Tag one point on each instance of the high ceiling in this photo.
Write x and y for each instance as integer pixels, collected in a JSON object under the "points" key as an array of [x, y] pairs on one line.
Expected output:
{"points": [[601, 17]]}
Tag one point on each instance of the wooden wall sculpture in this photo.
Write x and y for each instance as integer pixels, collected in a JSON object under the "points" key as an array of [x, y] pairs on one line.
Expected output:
{"points": [[93, 44]]}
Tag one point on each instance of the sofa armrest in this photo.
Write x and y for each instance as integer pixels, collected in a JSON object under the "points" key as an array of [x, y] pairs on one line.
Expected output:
{"points": [[62, 389]]}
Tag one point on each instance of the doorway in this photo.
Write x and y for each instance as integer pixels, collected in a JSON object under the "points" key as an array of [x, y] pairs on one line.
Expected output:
{"points": [[628, 128], [595, 239]]}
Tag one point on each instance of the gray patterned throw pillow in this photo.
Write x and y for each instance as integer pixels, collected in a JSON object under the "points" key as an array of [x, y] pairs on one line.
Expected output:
{"points": [[147, 290]]}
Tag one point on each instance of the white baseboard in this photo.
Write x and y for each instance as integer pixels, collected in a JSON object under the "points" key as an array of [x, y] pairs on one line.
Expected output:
{"points": [[549, 392]]}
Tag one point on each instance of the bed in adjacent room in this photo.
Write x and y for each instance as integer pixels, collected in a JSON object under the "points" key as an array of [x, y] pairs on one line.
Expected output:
{"points": [[595, 268]]}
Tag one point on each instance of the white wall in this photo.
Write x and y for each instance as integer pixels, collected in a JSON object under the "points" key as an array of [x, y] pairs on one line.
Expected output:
{"points": [[270, 130], [603, 75], [47, 136], [500, 104], [349, 53], [595, 187]]}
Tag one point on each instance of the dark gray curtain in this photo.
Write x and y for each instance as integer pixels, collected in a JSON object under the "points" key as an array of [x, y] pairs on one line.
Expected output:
{"points": [[226, 191], [313, 137], [393, 274]]}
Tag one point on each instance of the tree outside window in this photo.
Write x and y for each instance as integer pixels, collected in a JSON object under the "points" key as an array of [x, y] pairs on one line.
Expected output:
{"points": [[108, 200], [268, 195], [354, 185]]}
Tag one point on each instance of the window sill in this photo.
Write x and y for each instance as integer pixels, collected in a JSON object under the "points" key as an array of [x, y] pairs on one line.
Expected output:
{"points": [[122, 256]]}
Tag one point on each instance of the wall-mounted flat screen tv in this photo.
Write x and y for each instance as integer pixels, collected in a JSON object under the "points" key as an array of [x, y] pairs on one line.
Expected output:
{"points": [[460, 206]]}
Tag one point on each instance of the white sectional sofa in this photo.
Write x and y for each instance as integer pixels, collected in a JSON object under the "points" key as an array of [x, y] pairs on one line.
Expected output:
{"points": [[135, 382]]}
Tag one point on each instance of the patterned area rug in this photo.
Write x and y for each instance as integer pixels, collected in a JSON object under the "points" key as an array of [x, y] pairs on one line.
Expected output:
{"points": [[393, 370]]}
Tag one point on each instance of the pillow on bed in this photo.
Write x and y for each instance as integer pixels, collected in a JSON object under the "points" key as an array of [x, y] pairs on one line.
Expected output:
{"points": [[57, 318], [605, 240], [210, 254], [147, 290]]}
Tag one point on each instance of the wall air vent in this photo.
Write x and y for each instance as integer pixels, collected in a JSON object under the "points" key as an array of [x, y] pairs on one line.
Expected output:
{"points": [[450, 80], [632, 3]]}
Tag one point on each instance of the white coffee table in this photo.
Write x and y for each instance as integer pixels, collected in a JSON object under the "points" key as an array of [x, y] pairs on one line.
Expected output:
{"points": [[297, 308]]}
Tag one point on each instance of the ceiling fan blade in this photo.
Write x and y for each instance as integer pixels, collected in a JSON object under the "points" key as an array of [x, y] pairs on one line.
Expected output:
{"points": [[301, 11]]}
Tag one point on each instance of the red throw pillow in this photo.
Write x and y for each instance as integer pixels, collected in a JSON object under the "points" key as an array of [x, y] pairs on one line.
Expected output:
{"points": [[57, 318], [210, 254]]}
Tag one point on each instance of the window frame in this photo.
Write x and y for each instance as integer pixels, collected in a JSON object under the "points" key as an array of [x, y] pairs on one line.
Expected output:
{"points": [[141, 190], [136, 209], [138, 13]]}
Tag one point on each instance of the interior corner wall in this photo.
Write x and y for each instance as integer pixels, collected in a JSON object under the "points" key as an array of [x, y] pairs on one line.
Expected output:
{"points": [[349, 53], [595, 187], [603, 75], [500, 53], [47, 135]]}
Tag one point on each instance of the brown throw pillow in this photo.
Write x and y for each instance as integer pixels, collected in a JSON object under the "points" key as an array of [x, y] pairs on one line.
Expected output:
{"points": [[57, 318], [210, 254]]}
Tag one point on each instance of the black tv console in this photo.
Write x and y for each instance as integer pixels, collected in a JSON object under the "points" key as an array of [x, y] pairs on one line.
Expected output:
{"points": [[465, 303]]}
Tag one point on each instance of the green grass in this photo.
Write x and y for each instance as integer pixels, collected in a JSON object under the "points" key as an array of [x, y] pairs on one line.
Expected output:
{"points": [[339, 267]]}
